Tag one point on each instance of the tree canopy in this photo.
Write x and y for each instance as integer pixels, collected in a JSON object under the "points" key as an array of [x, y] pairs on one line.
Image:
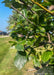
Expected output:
{"points": [[32, 26]]}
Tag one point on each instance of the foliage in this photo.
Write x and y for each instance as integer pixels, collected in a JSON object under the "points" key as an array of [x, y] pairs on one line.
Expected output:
{"points": [[32, 26], [45, 70]]}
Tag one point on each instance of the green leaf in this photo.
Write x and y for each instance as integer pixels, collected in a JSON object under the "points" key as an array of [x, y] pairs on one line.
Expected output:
{"points": [[19, 47], [52, 60], [20, 60], [19, 1], [37, 41], [46, 56], [36, 62], [12, 42], [29, 42], [24, 12], [41, 29]]}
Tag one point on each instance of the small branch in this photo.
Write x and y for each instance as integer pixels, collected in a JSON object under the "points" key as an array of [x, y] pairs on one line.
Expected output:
{"points": [[52, 13], [28, 7], [44, 43], [49, 40], [21, 14], [48, 37]]}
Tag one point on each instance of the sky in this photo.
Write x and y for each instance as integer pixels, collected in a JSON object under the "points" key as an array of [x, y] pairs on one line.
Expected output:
{"points": [[5, 12]]}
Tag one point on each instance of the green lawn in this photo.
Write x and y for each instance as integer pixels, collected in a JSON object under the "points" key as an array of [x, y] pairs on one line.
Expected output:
{"points": [[7, 58], [4, 47]]}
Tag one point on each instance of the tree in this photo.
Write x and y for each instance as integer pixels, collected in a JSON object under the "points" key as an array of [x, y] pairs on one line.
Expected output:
{"points": [[32, 27]]}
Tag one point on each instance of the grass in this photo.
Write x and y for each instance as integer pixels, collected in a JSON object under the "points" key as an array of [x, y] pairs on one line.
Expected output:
{"points": [[7, 58], [4, 47]]}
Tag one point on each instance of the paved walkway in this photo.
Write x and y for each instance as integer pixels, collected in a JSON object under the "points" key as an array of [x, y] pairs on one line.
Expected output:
{"points": [[4, 36]]}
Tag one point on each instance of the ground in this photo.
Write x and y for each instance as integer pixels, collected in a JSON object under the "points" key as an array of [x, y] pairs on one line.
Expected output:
{"points": [[7, 55], [7, 58]]}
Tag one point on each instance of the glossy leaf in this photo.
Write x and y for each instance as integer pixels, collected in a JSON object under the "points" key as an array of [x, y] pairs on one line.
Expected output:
{"points": [[20, 60], [20, 47], [46, 56]]}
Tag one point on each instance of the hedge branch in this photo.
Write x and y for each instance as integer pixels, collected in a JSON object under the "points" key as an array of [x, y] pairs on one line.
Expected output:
{"points": [[52, 13]]}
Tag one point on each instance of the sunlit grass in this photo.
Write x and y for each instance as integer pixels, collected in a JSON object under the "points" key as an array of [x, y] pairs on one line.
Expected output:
{"points": [[7, 58], [4, 47]]}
